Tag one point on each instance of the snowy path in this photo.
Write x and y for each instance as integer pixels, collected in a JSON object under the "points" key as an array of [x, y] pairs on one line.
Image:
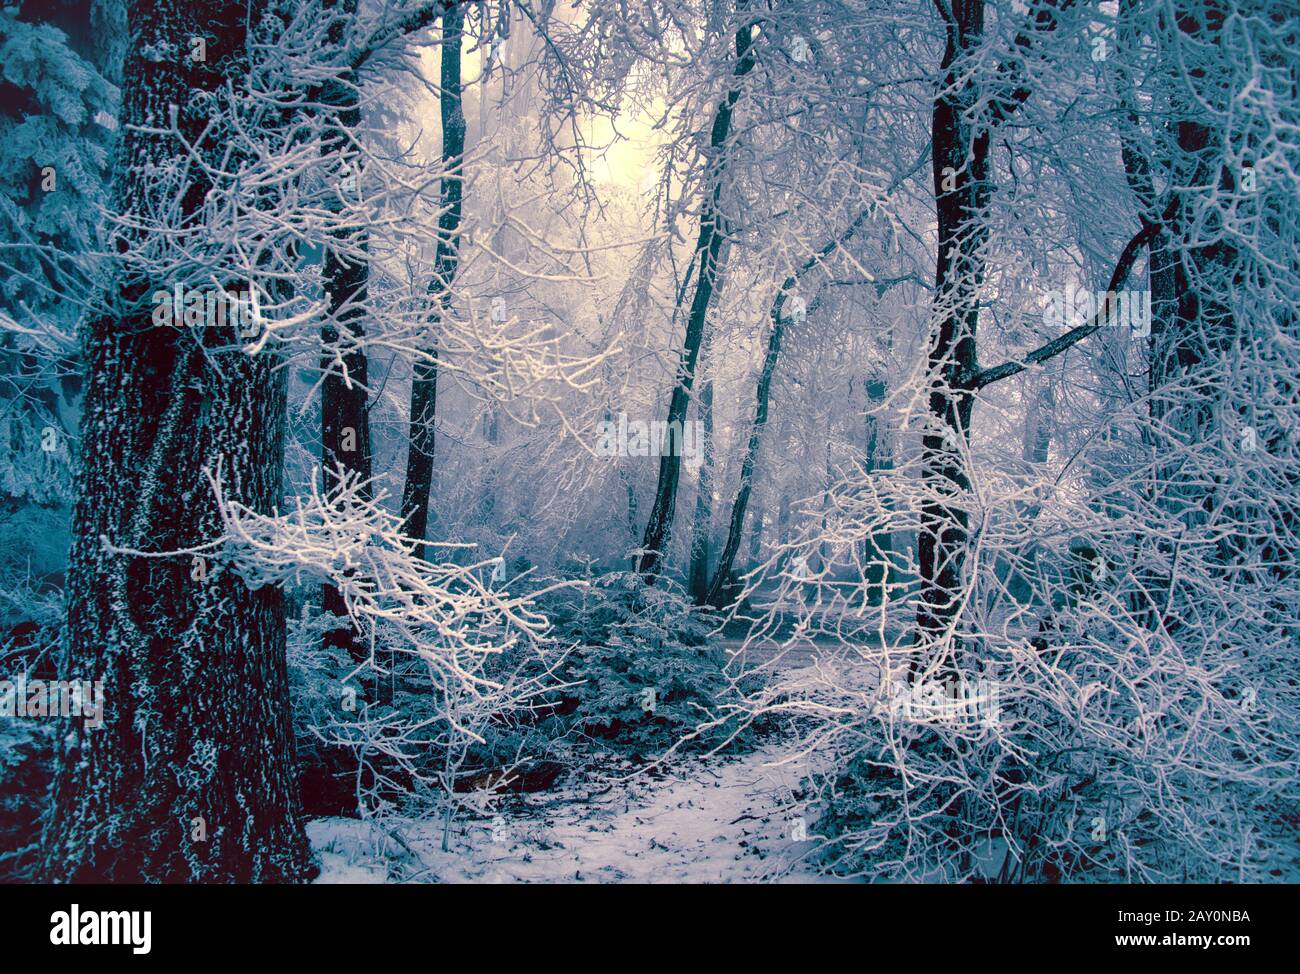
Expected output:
{"points": [[694, 820], [727, 821]]}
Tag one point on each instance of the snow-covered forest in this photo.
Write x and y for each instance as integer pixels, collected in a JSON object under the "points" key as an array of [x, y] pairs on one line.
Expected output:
{"points": [[649, 441]]}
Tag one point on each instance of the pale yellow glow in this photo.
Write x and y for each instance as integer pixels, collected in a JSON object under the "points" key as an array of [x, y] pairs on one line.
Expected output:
{"points": [[629, 161]]}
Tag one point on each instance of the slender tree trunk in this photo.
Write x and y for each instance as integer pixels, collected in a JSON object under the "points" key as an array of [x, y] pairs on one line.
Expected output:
{"points": [[718, 588], [633, 527], [191, 775], [345, 418], [701, 540], [776, 331], [877, 455], [707, 251], [424, 388], [755, 535], [491, 436], [1017, 569], [823, 559], [961, 188], [1036, 443]]}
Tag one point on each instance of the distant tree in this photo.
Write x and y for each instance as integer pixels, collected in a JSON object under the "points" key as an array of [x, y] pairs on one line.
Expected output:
{"points": [[708, 251], [424, 388]]}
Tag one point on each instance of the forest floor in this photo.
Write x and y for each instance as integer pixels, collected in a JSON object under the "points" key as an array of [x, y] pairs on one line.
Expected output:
{"points": [[701, 820], [716, 819]]}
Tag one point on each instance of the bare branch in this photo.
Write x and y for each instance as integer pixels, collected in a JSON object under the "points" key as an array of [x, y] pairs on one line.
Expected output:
{"points": [[1075, 335]]}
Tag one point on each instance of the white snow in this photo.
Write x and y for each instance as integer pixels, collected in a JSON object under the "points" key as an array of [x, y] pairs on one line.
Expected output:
{"points": [[707, 821]]}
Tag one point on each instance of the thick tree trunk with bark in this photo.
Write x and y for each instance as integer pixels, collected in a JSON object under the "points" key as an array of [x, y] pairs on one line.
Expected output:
{"points": [[1191, 352], [191, 777], [965, 113], [707, 252], [424, 388]]}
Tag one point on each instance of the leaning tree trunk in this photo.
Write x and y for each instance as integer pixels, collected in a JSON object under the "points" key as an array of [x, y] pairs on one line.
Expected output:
{"points": [[719, 586], [718, 589], [707, 252], [424, 388], [191, 775]]}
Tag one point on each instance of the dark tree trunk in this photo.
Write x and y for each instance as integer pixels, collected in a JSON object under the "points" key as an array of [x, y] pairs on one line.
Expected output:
{"points": [[762, 395], [1137, 171], [1200, 273], [702, 536], [965, 113], [707, 251], [191, 777], [961, 189], [718, 589], [1191, 324], [345, 418], [1194, 348], [424, 387]]}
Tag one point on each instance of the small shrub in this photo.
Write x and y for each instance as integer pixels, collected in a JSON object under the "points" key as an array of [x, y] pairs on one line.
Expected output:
{"points": [[645, 675]]}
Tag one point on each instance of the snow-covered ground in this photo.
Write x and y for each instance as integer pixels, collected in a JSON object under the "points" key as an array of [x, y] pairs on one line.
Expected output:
{"points": [[724, 820], [693, 819]]}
